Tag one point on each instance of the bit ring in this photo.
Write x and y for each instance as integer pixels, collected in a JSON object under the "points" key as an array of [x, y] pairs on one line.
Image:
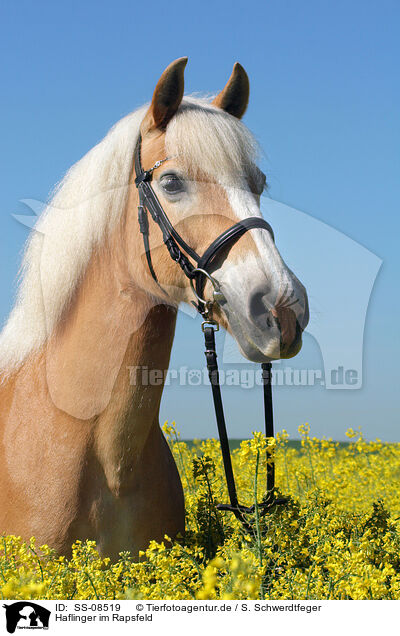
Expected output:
{"points": [[212, 280]]}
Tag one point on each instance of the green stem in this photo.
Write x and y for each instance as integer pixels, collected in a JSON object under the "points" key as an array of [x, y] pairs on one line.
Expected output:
{"points": [[309, 581], [310, 461], [38, 560], [93, 586], [257, 517], [182, 462], [212, 508], [286, 468]]}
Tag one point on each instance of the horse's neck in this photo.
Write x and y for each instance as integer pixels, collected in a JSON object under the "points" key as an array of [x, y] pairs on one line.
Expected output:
{"points": [[93, 360], [132, 412]]}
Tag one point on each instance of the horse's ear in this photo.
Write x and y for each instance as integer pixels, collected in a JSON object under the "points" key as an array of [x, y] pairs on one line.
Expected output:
{"points": [[235, 96], [167, 96]]}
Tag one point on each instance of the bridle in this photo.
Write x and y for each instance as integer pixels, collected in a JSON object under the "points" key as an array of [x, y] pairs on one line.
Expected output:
{"points": [[180, 252], [148, 201]]}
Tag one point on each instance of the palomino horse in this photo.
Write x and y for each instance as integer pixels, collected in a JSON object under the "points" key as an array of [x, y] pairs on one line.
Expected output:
{"points": [[82, 453]]}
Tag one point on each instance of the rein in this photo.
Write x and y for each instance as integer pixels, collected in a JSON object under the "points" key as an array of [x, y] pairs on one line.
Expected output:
{"points": [[180, 252]]}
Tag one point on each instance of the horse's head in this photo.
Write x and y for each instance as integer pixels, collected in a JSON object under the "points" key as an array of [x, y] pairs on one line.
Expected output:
{"points": [[207, 182]]}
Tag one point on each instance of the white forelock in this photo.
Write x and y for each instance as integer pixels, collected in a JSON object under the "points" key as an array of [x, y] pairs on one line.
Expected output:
{"points": [[206, 139]]}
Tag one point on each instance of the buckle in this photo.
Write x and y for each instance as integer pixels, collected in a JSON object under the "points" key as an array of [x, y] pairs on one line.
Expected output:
{"points": [[146, 175], [209, 323]]}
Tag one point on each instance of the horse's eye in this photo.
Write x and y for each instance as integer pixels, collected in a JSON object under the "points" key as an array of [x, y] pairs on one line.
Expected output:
{"points": [[172, 184]]}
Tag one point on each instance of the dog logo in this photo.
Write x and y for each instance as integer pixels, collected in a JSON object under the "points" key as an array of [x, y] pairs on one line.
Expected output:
{"points": [[26, 615]]}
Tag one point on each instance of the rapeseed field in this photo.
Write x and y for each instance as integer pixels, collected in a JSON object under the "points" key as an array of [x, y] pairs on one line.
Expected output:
{"points": [[336, 537]]}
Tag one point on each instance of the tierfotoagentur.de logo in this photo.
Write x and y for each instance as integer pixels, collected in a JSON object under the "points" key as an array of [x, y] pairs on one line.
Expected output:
{"points": [[26, 615]]}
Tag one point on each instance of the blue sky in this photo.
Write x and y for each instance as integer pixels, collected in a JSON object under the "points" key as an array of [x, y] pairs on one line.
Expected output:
{"points": [[324, 107]]}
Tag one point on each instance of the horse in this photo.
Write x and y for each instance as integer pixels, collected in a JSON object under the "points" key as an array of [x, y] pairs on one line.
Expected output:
{"points": [[82, 453]]}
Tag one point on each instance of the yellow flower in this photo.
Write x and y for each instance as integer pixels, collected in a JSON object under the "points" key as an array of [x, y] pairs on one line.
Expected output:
{"points": [[338, 536]]}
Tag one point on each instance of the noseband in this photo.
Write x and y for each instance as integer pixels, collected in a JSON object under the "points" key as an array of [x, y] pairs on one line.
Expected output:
{"points": [[180, 252]]}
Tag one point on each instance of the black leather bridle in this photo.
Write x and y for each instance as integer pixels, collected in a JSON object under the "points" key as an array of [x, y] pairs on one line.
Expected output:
{"points": [[180, 252]]}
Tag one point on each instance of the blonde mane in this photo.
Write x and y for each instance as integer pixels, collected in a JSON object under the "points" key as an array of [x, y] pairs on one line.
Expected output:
{"points": [[90, 200]]}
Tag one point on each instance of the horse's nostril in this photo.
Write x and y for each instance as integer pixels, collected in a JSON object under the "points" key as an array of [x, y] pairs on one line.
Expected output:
{"points": [[270, 321], [258, 304]]}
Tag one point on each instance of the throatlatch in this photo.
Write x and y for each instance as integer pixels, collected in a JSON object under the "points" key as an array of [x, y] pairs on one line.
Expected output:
{"points": [[198, 274]]}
